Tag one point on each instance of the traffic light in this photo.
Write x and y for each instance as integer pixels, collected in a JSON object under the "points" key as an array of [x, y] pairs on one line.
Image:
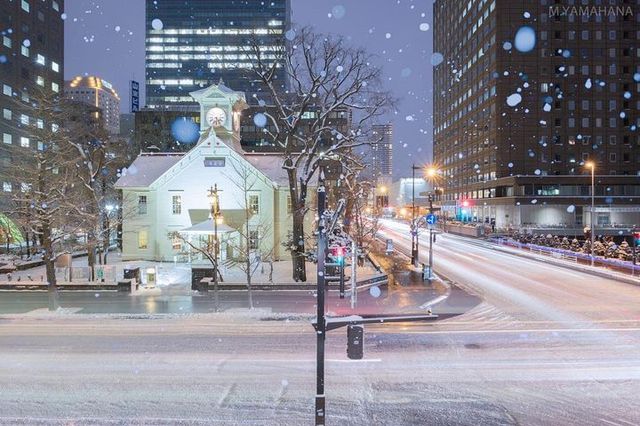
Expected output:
{"points": [[338, 253], [355, 341]]}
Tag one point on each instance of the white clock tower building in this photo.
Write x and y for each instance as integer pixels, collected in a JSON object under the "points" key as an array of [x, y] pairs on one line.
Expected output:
{"points": [[220, 110]]}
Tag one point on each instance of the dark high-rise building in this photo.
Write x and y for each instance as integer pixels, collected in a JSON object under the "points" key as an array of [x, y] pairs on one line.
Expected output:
{"points": [[191, 44], [31, 63], [526, 94], [382, 153]]}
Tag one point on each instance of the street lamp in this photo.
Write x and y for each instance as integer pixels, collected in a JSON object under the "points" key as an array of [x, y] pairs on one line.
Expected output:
{"points": [[107, 230], [592, 165], [216, 218], [414, 228], [431, 172]]}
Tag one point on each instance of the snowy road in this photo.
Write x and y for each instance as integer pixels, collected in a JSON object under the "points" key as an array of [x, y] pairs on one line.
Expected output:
{"points": [[547, 346], [219, 369]]}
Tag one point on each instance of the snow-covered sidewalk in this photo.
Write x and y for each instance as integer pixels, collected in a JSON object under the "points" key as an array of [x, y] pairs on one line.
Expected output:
{"points": [[171, 274]]}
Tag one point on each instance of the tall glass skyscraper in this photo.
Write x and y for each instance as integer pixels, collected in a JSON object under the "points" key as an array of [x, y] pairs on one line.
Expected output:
{"points": [[191, 44]]}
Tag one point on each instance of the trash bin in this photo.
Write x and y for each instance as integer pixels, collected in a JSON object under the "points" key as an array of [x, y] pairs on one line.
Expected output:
{"points": [[355, 341], [131, 273]]}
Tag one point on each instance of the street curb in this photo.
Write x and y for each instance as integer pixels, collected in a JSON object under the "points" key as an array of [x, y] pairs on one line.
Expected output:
{"points": [[447, 282]]}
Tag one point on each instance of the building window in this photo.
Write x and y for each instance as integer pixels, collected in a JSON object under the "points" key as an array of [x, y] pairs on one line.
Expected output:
{"points": [[6, 186], [214, 162], [253, 240], [6, 114], [6, 89], [143, 239], [254, 204], [24, 119], [40, 80], [7, 138], [612, 157], [55, 66], [40, 123], [24, 142], [40, 59], [25, 5], [176, 204], [24, 50], [55, 6], [142, 204], [55, 87], [6, 41]]}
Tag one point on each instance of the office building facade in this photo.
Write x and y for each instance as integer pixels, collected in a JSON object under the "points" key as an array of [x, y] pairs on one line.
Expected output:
{"points": [[98, 93], [526, 94], [195, 43], [31, 64], [382, 153]]}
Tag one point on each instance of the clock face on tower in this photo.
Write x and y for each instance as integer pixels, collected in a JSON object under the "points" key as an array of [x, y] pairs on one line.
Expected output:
{"points": [[216, 117]]}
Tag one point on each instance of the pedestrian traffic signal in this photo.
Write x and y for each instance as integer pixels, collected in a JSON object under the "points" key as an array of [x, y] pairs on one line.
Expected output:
{"points": [[338, 253]]}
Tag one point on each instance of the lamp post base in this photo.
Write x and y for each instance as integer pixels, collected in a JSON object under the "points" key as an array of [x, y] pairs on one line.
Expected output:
{"points": [[320, 410]]}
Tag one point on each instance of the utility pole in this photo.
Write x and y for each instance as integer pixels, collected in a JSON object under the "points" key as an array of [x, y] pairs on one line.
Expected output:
{"points": [[215, 215], [354, 267], [414, 227], [321, 329], [430, 239]]}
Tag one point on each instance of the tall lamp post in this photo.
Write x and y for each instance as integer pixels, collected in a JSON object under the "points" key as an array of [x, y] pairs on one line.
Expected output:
{"points": [[592, 166], [414, 228], [215, 217], [431, 173]]}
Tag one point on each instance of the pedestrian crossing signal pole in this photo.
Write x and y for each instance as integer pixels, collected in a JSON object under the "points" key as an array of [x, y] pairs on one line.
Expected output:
{"points": [[321, 329]]}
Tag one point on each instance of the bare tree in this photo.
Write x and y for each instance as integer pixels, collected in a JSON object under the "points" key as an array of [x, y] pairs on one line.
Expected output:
{"points": [[247, 252], [362, 228], [99, 155], [43, 168], [327, 79]]}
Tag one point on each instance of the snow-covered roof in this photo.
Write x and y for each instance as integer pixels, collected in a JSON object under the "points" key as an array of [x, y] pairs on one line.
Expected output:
{"points": [[206, 228], [270, 165], [146, 169]]}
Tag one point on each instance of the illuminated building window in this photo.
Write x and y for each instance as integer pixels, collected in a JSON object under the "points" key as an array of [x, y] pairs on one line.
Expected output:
{"points": [[143, 239]]}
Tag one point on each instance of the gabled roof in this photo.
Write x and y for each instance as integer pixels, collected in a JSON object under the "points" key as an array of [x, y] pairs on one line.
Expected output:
{"points": [[147, 168], [216, 88]]}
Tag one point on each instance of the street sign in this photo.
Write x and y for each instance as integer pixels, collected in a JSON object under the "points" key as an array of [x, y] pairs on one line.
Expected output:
{"points": [[431, 219]]}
